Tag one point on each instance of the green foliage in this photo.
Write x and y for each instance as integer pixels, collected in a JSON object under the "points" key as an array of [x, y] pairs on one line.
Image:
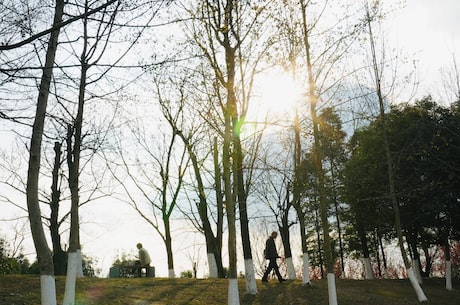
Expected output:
{"points": [[10, 264], [88, 266], [425, 149], [186, 274], [123, 258]]}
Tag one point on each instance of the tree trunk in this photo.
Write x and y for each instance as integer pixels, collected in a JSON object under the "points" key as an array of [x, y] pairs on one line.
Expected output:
{"points": [[212, 264], [305, 257], [285, 237], [336, 207], [448, 264], [169, 251], [70, 283], [384, 259], [250, 278], [73, 160], [212, 246], [368, 272], [428, 260], [296, 202], [229, 154], [47, 284], [284, 232], [412, 237], [233, 295], [318, 162], [318, 239], [59, 256], [377, 254], [220, 212], [230, 117]]}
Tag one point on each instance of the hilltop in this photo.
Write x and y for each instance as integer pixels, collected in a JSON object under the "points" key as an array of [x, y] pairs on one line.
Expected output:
{"points": [[25, 290]]}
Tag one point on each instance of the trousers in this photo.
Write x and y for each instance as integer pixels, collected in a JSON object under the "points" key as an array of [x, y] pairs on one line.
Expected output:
{"points": [[272, 265]]}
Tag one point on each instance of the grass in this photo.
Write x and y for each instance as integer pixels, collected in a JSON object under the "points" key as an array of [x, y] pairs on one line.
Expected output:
{"points": [[25, 290]]}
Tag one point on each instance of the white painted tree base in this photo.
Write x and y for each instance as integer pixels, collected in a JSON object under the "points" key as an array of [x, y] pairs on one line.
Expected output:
{"points": [[213, 274], [416, 268], [71, 279], [48, 290], [233, 294], [331, 289], [171, 273], [369, 274], [418, 289], [250, 277], [290, 269], [448, 275], [80, 264], [306, 270]]}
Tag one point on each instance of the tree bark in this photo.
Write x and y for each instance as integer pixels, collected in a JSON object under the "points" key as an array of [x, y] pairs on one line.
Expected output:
{"points": [[169, 251], [250, 279], [220, 211], [59, 255]]}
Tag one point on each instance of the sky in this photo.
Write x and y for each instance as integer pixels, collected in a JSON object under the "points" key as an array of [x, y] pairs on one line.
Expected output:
{"points": [[427, 30]]}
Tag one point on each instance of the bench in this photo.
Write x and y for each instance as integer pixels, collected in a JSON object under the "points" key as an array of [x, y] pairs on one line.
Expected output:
{"points": [[131, 270]]}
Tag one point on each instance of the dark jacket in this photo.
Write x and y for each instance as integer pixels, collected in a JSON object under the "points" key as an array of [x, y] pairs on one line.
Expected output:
{"points": [[270, 249]]}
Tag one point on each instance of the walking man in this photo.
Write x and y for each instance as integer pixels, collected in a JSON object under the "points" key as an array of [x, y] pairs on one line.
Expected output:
{"points": [[272, 255]]}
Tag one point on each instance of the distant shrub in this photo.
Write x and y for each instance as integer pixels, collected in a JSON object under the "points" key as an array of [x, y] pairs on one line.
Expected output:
{"points": [[10, 264], [186, 274]]}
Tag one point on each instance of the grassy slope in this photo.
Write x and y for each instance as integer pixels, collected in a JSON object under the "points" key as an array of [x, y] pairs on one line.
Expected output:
{"points": [[25, 290]]}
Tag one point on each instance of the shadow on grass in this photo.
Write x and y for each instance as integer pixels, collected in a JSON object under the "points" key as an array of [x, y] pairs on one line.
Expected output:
{"points": [[248, 299]]}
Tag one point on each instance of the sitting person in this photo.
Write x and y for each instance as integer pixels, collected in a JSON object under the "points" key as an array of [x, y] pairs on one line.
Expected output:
{"points": [[143, 260]]}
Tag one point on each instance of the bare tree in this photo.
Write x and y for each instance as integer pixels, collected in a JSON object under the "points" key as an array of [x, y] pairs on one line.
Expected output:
{"points": [[73, 149], [320, 81], [378, 75], [196, 136], [290, 46], [157, 175], [44, 255], [59, 255], [221, 27], [450, 77], [10, 44]]}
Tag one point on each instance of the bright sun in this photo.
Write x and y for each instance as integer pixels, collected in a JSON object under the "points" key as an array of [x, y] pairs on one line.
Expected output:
{"points": [[276, 95]]}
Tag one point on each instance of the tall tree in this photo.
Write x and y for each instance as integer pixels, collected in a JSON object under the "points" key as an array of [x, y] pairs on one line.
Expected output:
{"points": [[48, 295], [289, 45], [225, 33], [157, 175], [313, 99], [297, 201], [59, 255], [332, 139], [196, 134], [386, 146]]}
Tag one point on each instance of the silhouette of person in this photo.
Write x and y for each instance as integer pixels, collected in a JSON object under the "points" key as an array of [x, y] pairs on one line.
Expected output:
{"points": [[272, 255]]}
